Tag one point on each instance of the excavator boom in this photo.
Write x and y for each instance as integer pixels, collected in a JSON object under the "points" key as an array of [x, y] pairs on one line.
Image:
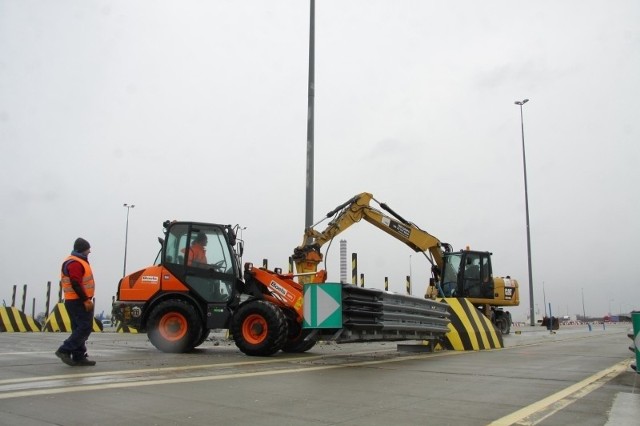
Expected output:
{"points": [[308, 255]]}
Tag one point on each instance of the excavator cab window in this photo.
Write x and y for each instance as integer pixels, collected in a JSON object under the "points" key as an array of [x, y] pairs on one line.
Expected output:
{"points": [[471, 280], [467, 274], [450, 275], [477, 280]]}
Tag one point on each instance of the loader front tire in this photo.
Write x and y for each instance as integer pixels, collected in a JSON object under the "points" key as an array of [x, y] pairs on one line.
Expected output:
{"points": [[174, 326], [259, 328], [298, 340], [203, 336]]}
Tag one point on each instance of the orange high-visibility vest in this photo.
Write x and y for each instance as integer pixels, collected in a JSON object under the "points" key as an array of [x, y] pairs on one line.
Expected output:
{"points": [[87, 281], [197, 254]]}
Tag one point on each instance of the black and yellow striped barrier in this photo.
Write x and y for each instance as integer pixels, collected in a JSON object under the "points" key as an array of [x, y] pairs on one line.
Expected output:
{"points": [[13, 320], [59, 320], [469, 329], [125, 328]]}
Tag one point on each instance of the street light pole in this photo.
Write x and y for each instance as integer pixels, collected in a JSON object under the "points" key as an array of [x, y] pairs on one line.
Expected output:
{"points": [[526, 203], [308, 221], [126, 237]]}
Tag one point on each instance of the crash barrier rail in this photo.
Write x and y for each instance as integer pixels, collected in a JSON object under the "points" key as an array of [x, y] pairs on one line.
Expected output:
{"points": [[370, 314]]}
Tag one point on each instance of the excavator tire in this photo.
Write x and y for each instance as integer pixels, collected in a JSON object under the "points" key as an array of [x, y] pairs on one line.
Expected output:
{"points": [[296, 342], [174, 326], [502, 324], [259, 328]]}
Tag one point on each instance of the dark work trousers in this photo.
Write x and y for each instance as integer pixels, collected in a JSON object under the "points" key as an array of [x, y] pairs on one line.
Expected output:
{"points": [[81, 327]]}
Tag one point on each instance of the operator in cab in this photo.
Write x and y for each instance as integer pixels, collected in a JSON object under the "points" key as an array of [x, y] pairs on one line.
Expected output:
{"points": [[197, 251]]}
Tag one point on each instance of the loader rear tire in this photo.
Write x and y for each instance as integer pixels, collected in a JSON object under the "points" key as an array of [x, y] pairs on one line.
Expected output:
{"points": [[259, 328], [174, 326]]}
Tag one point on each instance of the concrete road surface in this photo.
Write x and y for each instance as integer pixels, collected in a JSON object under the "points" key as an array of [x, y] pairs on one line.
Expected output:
{"points": [[574, 376]]}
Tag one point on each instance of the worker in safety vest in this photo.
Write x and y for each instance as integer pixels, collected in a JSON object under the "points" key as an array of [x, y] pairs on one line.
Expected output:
{"points": [[78, 289], [197, 251]]}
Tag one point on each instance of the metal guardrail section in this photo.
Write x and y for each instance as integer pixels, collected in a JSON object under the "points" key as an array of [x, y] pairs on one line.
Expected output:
{"points": [[370, 314]]}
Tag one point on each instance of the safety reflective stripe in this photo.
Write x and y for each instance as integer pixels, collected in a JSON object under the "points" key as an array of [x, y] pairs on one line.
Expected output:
{"points": [[87, 283]]}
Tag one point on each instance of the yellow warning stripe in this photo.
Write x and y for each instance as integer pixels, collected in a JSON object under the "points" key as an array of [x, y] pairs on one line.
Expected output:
{"points": [[14, 320], [454, 338], [465, 323], [481, 321], [126, 329], [469, 328], [59, 320]]}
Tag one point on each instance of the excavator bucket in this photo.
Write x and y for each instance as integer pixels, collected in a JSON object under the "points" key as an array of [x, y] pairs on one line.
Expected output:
{"points": [[469, 330]]}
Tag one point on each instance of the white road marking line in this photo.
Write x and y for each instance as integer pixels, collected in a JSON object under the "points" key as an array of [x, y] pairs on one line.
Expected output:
{"points": [[103, 386], [562, 398]]}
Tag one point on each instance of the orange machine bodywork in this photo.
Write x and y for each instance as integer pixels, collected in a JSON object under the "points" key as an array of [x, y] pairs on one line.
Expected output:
{"points": [[145, 283], [283, 290]]}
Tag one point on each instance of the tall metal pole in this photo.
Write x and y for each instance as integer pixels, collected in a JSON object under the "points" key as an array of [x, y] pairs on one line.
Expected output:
{"points": [[544, 297], [126, 237], [526, 203], [308, 222]]}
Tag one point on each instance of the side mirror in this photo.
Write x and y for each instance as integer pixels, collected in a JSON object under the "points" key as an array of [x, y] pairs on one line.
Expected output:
{"points": [[232, 235]]}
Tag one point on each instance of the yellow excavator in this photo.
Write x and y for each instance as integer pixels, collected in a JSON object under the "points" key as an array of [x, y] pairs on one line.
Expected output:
{"points": [[455, 274]]}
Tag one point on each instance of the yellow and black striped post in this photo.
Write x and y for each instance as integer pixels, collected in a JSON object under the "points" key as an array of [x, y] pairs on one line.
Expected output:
{"points": [[290, 265], [354, 269], [386, 283], [24, 297], [48, 300], [265, 263], [362, 280], [409, 285]]}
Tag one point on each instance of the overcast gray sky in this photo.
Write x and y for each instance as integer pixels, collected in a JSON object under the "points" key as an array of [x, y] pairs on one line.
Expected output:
{"points": [[196, 110]]}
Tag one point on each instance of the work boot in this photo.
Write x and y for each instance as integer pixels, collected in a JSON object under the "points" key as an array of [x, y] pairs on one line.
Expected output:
{"points": [[84, 362], [65, 357]]}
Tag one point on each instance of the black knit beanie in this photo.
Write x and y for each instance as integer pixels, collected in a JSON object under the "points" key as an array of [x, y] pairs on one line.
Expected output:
{"points": [[81, 245]]}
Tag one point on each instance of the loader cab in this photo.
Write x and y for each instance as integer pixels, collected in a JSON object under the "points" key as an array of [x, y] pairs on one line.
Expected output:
{"points": [[202, 257], [468, 274]]}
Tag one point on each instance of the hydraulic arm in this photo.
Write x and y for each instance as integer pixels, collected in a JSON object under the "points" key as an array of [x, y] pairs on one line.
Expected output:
{"points": [[307, 256]]}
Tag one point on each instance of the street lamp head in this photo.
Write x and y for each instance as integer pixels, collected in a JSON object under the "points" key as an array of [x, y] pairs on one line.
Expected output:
{"points": [[521, 102]]}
